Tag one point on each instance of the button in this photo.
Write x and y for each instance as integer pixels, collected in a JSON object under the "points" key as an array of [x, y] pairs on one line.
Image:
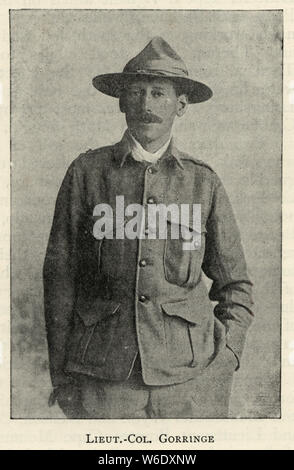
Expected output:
{"points": [[151, 170], [151, 200], [142, 263], [142, 298]]}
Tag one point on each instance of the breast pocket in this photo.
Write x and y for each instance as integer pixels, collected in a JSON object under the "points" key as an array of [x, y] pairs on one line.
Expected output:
{"points": [[111, 250], [91, 246], [182, 257], [94, 331], [98, 244]]}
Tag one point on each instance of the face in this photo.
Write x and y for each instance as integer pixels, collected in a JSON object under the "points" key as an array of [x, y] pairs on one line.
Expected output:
{"points": [[150, 106]]}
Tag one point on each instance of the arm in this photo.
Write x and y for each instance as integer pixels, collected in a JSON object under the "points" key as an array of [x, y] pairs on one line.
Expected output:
{"points": [[60, 274], [224, 263]]}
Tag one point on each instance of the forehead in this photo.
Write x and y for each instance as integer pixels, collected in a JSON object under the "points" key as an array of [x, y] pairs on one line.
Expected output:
{"points": [[145, 82]]}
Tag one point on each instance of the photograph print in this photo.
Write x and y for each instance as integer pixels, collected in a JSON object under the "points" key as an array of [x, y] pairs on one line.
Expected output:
{"points": [[146, 213]]}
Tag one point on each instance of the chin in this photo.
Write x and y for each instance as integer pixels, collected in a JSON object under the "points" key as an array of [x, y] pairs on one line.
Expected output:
{"points": [[145, 136]]}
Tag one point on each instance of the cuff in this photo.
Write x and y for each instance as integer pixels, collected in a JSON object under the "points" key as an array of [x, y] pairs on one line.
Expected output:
{"points": [[237, 358], [61, 378], [235, 340]]}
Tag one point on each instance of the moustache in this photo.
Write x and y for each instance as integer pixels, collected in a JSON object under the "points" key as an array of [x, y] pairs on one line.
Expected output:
{"points": [[148, 118]]}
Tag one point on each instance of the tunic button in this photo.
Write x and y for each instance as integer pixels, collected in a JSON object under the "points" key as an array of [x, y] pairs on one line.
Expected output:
{"points": [[150, 170], [142, 298], [142, 263], [151, 200]]}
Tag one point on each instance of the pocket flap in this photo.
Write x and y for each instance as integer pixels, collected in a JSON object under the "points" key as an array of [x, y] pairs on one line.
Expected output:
{"points": [[182, 309], [187, 226], [95, 310]]}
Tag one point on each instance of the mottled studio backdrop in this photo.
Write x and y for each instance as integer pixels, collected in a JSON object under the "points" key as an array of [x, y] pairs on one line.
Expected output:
{"points": [[57, 114]]}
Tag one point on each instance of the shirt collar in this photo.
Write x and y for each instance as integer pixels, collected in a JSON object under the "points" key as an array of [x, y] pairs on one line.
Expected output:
{"points": [[140, 154], [123, 148]]}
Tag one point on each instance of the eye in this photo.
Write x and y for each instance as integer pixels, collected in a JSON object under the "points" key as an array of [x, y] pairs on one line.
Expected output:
{"points": [[157, 93], [134, 92]]}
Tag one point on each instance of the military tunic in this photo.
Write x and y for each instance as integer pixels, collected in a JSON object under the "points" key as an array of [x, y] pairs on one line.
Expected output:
{"points": [[110, 301]]}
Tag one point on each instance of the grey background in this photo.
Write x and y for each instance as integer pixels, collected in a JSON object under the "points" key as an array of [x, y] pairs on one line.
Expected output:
{"points": [[57, 114]]}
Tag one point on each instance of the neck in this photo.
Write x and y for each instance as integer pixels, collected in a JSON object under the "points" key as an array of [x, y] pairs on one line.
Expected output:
{"points": [[152, 146]]}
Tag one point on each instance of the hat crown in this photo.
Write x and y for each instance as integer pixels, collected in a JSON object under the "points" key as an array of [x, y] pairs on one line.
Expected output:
{"points": [[158, 56]]}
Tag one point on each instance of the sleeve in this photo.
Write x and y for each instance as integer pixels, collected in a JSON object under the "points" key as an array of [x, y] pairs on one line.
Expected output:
{"points": [[225, 264], [60, 273]]}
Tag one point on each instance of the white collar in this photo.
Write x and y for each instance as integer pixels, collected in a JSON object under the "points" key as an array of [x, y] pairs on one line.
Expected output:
{"points": [[140, 154]]}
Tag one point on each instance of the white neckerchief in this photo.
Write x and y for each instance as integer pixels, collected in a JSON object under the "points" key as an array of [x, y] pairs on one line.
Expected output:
{"points": [[140, 154]]}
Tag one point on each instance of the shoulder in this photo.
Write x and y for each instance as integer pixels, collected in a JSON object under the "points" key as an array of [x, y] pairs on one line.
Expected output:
{"points": [[93, 158], [189, 159], [97, 154], [190, 162], [203, 172]]}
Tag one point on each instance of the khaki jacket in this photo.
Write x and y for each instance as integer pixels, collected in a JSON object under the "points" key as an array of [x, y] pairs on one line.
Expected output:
{"points": [[106, 301]]}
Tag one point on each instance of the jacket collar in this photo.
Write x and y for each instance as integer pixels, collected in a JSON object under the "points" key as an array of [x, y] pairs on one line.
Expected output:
{"points": [[123, 148]]}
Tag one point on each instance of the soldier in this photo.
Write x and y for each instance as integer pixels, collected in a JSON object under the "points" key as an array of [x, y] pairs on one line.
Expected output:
{"points": [[132, 332]]}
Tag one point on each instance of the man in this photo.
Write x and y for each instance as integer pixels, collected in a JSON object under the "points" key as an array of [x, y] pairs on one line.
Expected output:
{"points": [[131, 330]]}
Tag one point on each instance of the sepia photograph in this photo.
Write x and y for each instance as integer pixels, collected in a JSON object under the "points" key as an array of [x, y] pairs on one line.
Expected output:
{"points": [[146, 159]]}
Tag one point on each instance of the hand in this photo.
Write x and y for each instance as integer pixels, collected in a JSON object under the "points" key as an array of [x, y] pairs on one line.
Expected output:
{"points": [[69, 400], [224, 358]]}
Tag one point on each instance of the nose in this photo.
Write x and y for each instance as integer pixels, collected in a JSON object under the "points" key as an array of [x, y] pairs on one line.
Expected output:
{"points": [[146, 101]]}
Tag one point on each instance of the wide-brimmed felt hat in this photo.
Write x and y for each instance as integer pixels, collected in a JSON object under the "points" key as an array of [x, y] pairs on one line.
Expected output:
{"points": [[156, 60]]}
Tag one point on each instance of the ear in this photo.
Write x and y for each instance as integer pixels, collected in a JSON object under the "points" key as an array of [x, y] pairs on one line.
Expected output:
{"points": [[182, 105]]}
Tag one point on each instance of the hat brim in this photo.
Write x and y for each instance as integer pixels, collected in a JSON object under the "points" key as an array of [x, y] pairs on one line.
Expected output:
{"points": [[112, 84]]}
